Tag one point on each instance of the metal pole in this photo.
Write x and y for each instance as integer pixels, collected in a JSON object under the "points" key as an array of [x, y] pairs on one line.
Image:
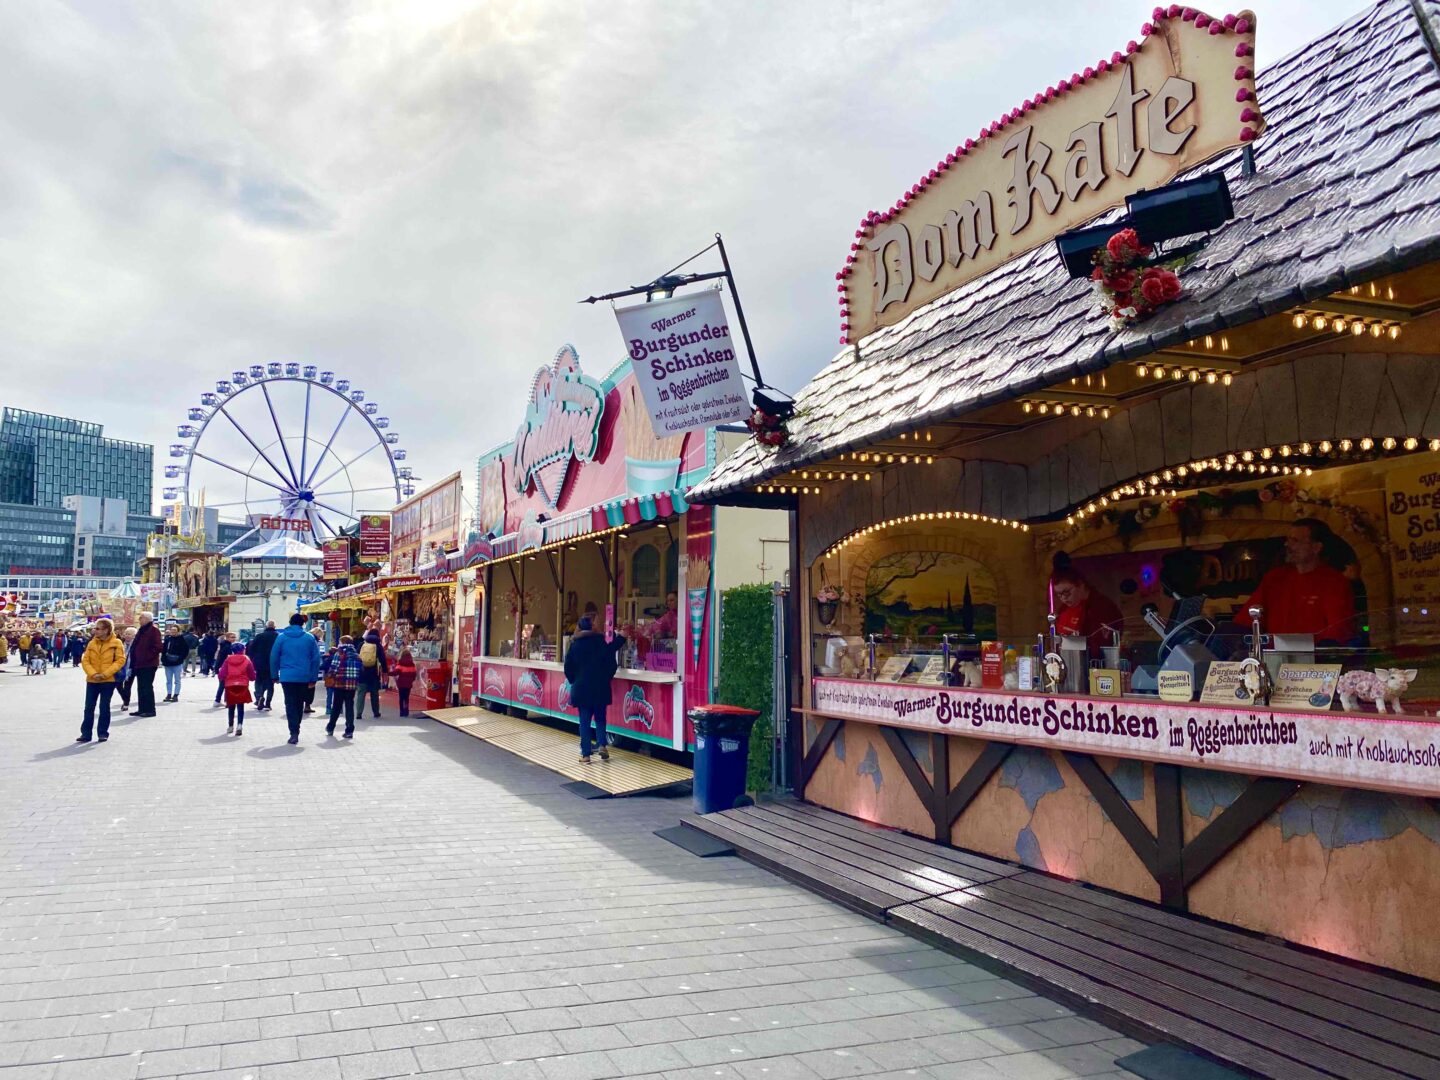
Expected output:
{"points": [[739, 312]]}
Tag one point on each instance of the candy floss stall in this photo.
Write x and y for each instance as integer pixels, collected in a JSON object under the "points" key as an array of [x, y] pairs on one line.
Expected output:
{"points": [[1223, 488], [587, 515]]}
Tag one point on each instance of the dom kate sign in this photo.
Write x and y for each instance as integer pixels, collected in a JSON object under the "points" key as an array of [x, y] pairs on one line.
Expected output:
{"points": [[1135, 121], [1399, 754]]}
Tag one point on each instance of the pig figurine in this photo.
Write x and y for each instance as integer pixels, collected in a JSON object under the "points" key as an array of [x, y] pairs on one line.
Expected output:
{"points": [[1380, 686], [969, 671]]}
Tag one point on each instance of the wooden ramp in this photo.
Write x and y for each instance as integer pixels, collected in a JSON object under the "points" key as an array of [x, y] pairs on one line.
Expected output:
{"points": [[1245, 1000], [626, 773]]}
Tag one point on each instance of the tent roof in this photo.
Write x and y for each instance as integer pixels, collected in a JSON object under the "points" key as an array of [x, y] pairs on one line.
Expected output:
{"points": [[281, 547]]}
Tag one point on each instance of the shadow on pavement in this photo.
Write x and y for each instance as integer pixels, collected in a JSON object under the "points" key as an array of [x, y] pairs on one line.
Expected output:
{"points": [[284, 750], [65, 751]]}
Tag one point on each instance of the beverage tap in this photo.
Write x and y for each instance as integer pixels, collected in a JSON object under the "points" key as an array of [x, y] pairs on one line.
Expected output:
{"points": [[945, 677], [871, 671], [1258, 683]]}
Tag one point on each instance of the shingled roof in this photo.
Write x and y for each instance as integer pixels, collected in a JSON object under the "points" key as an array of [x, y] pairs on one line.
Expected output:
{"points": [[1347, 189]]}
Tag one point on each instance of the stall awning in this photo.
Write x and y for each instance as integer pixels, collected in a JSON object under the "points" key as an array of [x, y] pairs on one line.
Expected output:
{"points": [[600, 520], [410, 582], [1346, 189]]}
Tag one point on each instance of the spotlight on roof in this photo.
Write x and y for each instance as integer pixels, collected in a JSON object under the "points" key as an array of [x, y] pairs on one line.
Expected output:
{"points": [[1180, 209], [775, 402]]}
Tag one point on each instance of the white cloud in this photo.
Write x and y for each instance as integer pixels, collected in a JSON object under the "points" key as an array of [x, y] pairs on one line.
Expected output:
{"points": [[417, 193]]}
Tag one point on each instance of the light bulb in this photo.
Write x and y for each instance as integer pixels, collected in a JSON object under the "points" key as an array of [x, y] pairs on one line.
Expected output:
{"points": [[1299, 322], [1411, 443], [1358, 329], [1395, 332], [1376, 330], [1142, 370]]}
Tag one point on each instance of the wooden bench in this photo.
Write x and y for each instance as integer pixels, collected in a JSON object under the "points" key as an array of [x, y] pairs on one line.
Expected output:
{"points": [[1250, 1002]]}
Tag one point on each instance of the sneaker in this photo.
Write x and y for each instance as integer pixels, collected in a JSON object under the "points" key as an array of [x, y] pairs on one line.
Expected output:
{"points": [[584, 759], [230, 729], [239, 731], [293, 739], [330, 730], [103, 738], [82, 738], [349, 734], [604, 754]]}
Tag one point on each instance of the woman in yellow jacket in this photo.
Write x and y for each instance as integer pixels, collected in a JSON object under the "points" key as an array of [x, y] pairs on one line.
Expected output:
{"points": [[103, 660]]}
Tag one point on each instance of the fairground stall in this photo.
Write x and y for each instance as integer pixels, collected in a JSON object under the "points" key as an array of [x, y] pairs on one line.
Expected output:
{"points": [[419, 592], [586, 515], [1133, 576]]}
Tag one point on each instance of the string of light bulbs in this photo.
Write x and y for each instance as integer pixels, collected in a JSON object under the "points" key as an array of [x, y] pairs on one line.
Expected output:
{"points": [[910, 519]]}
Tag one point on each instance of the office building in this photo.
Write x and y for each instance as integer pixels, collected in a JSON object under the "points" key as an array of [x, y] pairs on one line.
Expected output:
{"points": [[44, 458]]}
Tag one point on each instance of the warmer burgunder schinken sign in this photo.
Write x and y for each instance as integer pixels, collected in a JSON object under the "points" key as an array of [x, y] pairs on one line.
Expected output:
{"points": [[1179, 95]]}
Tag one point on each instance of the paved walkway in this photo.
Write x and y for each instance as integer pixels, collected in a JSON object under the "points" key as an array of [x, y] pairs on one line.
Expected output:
{"points": [[177, 902]]}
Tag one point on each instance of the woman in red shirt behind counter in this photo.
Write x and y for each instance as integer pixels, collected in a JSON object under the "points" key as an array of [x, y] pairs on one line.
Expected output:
{"points": [[1080, 611]]}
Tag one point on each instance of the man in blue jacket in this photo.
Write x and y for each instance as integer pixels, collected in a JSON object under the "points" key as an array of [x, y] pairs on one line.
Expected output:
{"points": [[295, 665]]}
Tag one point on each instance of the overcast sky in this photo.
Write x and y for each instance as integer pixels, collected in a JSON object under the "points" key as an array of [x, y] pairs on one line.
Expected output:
{"points": [[417, 192]]}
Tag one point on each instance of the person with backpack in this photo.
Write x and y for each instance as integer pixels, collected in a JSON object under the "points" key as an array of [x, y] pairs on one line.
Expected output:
{"points": [[173, 655], [590, 665], [372, 665], [259, 652], [236, 674], [342, 676], [404, 673], [295, 663]]}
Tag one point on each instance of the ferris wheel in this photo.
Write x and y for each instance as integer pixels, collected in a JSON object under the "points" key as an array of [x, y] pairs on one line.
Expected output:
{"points": [[287, 449]]}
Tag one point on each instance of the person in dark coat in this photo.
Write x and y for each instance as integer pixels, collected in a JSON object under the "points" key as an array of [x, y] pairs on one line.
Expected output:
{"points": [[590, 665], [259, 652], [209, 645], [76, 648], [373, 664], [144, 662]]}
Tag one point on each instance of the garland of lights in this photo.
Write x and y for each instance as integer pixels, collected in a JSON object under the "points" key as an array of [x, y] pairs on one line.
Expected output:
{"points": [[910, 519]]}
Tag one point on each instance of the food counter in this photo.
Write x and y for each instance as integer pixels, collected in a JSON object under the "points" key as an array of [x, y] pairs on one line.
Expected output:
{"points": [[643, 702]]}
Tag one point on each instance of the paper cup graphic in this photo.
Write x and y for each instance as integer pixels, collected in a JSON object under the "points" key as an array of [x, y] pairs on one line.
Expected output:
{"points": [[697, 620], [650, 477]]}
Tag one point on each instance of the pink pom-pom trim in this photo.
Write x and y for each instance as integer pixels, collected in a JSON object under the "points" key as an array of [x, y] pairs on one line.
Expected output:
{"points": [[1242, 72], [1188, 14], [1243, 94], [1158, 14], [1230, 21], [1246, 134], [1242, 26], [1248, 114], [1201, 20], [1131, 46], [1147, 29], [1243, 49], [1216, 28]]}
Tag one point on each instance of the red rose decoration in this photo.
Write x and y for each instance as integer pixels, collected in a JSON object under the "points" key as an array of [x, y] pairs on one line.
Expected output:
{"points": [[1120, 281], [1125, 245], [1159, 286]]}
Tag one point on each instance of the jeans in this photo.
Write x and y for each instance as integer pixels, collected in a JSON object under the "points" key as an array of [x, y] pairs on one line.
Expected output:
{"points": [[219, 687], [329, 699], [236, 714], [404, 693], [294, 704], [206, 666], [342, 700], [145, 690], [173, 674], [264, 691], [97, 692], [587, 713], [369, 684]]}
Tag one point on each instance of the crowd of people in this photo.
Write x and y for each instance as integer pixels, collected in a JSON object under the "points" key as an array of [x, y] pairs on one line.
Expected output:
{"points": [[127, 663]]}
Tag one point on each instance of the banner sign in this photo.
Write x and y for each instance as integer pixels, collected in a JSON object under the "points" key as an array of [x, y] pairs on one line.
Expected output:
{"points": [[561, 425], [374, 537], [1391, 754], [1412, 515], [685, 362], [336, 565], [1183, 95]]}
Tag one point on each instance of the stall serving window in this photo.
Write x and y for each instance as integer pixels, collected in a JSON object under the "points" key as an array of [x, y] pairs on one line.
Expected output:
{"points": [[422, 623], [538, 599]]}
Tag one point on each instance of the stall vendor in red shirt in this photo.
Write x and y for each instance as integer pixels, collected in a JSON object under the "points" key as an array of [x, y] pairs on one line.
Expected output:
{"points": [[1306, 595], [1081, 611]]}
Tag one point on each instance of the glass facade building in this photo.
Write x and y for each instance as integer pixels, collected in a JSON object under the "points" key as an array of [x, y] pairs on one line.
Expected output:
{"points": [[44, 458]]}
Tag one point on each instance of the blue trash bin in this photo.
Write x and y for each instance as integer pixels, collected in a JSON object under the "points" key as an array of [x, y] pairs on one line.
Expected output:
{"points": [[722, 755]]}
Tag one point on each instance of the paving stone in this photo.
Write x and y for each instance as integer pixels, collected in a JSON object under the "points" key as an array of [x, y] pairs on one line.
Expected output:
{"points": [[294, 945]]}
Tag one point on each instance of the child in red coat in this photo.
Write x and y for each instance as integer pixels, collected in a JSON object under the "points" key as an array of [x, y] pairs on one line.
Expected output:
{"points": [[236, 675], [404, 672]]}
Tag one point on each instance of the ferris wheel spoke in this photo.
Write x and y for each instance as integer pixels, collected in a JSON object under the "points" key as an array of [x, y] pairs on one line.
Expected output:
{"points": [[336, 510], [356, 491], [305, 430], [240, 472], [270, 405], [347, 464], [309, 480], [239, 540], [245, 435]]}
